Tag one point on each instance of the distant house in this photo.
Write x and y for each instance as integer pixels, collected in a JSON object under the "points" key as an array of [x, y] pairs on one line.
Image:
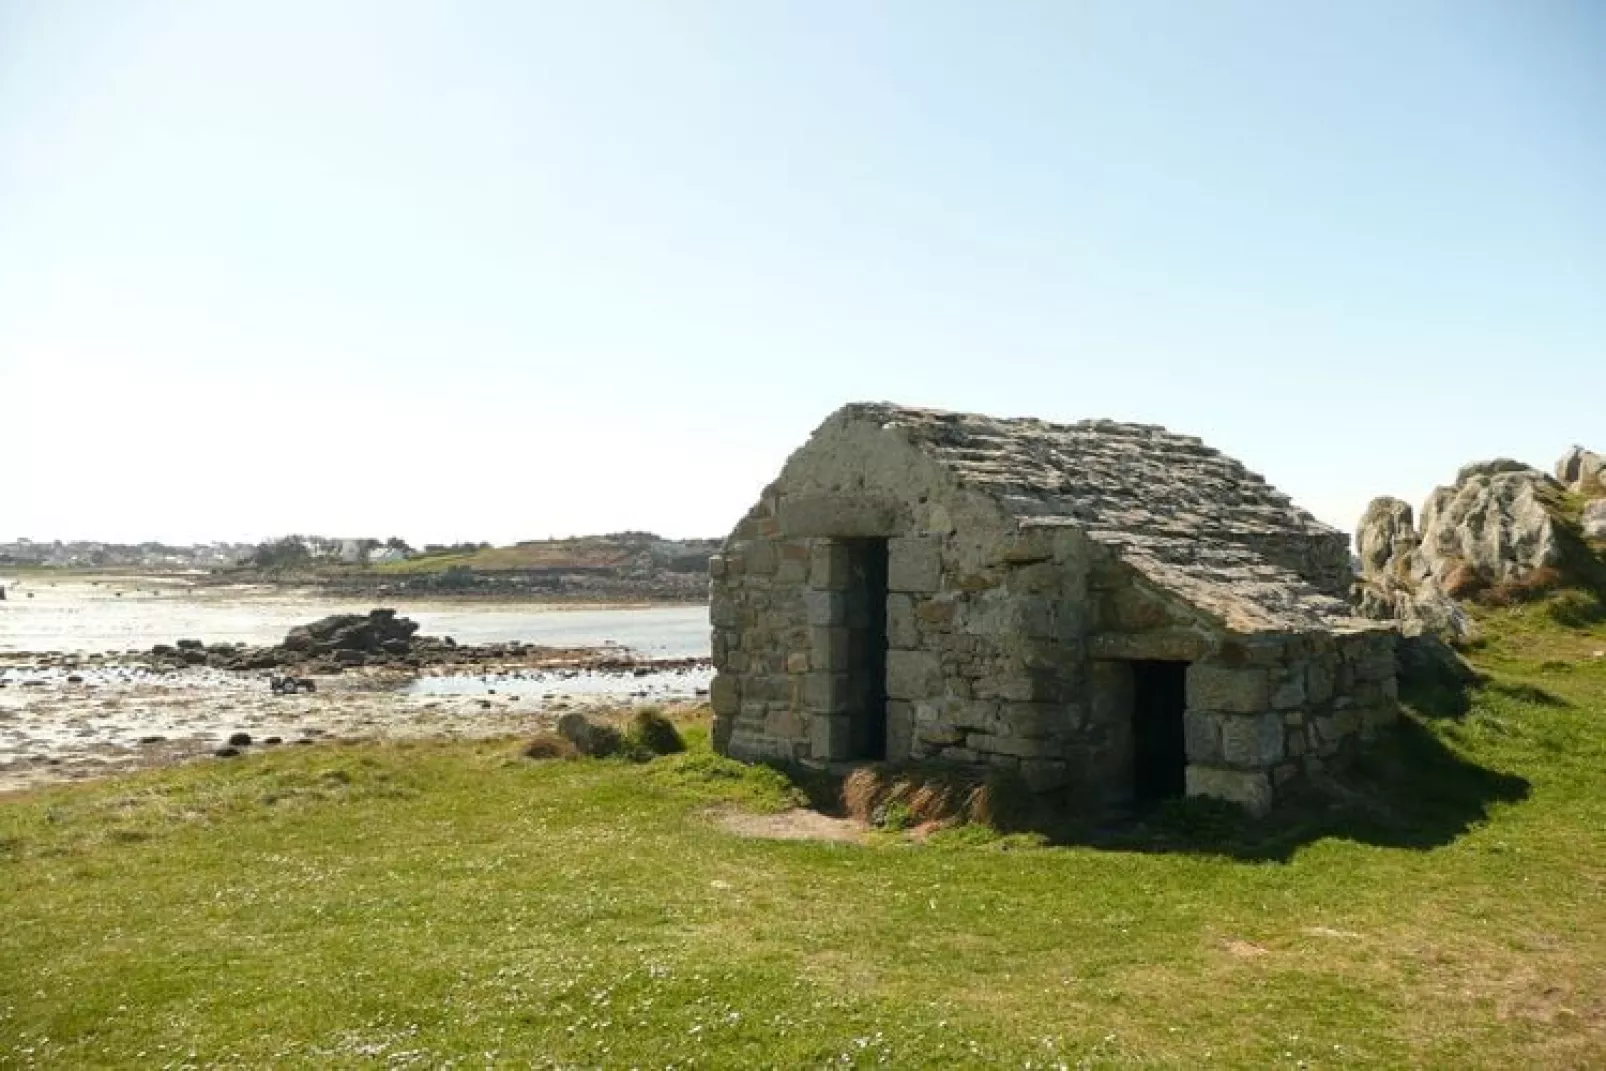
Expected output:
{"points": [[1110, 609]]}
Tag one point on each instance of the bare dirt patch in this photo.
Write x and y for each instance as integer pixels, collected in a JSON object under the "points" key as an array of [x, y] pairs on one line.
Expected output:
{"points": [[799, 823]]}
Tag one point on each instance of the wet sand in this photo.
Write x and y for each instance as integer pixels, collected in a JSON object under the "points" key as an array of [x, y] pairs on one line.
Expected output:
{"points": [[61, 725]]}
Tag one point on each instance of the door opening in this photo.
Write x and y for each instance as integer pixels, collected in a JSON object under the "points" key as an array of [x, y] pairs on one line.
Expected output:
{"points": [[1159, 752], [867, 648]]}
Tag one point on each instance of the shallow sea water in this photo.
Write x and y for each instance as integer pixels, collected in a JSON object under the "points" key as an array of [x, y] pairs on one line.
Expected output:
{"points": [[134, 614]]}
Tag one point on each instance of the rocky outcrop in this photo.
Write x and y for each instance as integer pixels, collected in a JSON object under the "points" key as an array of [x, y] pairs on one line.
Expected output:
{"points": [[1397, 579], [1494, 526], [1593, 519], [1582, 472], [379, 639], [378, 631], [1502, 528]]}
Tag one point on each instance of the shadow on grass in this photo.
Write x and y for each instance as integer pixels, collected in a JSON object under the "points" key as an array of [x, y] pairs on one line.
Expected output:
{"points": [[1405, 790], [1526, 693]]}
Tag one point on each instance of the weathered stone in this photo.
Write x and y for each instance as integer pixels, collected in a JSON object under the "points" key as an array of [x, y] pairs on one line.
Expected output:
{"points": [[1593, 519], [826, 607], [786, 723], [724, 695], [1252, 740], [760, 558], [830, 737], [1165, 646], [1228, 690], [1238, 652], [913, 674], [1376, 661], [1020, 747], [1583, 472], [1042, 720], [936, 613], [1249, 789], [1044, 775], [827, 693], [1319, 682], [1387, 533], [900, 730], [830, 566], [914, 564], [797, 662], [723, 612], [830, 647], [939, 735], [1128, 609], [837, 516], [1201, 733], [1290, 693], [1040, 577]]}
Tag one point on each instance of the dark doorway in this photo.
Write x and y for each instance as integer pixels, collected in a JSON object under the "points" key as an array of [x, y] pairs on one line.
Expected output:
{"points": [[1159, 755], [867, 648]]}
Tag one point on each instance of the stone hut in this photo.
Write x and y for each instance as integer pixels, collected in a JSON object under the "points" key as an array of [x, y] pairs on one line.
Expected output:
{"points": [[1111, 609]]}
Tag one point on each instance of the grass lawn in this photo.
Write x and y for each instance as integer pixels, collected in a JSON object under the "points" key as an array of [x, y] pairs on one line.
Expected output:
{"points": [[456, 904]]}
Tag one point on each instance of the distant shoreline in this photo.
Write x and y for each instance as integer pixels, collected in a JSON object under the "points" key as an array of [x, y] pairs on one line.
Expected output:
{"points": [[346, 585]]}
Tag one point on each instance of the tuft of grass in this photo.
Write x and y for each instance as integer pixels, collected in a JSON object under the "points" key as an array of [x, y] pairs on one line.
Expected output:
{"points": [[702, 776], [1531, 588], [652, 733], [900, 796], [1576, 609], [549, 745]]}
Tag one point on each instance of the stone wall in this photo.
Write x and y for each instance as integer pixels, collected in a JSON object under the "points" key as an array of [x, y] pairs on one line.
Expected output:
{"points": [[760, 641], [984, 663], [1262, 713]]}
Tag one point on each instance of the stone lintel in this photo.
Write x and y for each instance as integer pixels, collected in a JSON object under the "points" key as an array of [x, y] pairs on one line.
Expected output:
{"points": [[1167, 645], [838, 516]]}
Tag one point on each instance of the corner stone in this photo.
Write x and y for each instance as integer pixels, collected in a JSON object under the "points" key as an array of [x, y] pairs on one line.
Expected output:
{"points": [[725, 696]]}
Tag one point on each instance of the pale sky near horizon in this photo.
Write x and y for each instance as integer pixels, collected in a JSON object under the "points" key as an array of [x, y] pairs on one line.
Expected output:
{"points": [[498, 271]]}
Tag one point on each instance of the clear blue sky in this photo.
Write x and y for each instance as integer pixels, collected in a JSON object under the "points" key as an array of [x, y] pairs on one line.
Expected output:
{"points": [[504, 270]]}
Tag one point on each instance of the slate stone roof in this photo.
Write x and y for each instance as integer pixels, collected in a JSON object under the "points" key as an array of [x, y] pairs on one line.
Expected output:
{"points": [[1184, 515]]}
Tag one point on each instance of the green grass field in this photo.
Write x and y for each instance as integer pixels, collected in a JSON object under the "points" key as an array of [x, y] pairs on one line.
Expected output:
{"points": [[457, 905], [588, 553]]}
